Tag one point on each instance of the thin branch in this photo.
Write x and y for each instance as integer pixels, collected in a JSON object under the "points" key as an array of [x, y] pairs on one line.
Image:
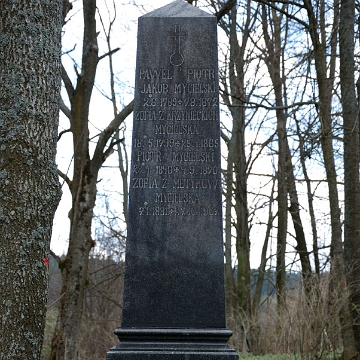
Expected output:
{"points": [[252, 104], [67, 82], [225, 137], [104, 137], [282, 11], [58, 299], [69, 51], [110, 149], [67, 6], [62, 133], [65, 178], [65, 110], [106, 295], [108, 53], [225, 9]]}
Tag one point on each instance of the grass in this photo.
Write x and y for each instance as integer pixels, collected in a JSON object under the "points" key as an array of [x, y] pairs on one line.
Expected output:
{"points": [[267, 357], [325, 356]]}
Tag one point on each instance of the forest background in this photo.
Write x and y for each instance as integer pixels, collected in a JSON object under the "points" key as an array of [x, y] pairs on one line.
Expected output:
{"points": [[290, 143]]}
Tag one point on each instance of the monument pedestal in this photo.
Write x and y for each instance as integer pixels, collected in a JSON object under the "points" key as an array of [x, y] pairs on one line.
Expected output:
{"points": [[174, 302], [179, 344]]}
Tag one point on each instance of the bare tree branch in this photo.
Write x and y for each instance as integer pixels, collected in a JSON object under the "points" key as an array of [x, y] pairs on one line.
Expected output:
{"points": [[225, 137], [110, 149], [106, 134], [66, 111], [68, 51], [67, 82], [282, 11], [62, 133], [67, 6], [65, 178], [108, 53], [225, 9], [54, 302]]}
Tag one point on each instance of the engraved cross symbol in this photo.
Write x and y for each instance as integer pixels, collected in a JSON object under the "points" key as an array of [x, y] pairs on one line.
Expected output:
{"points": [[177, 58]]}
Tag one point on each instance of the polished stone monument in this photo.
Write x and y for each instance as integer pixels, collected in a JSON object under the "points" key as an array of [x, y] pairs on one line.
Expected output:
{"points": [[174, 285]]}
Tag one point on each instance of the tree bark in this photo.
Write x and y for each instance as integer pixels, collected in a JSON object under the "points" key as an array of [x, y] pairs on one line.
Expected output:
{"points": [[294, 209], [29, 188], [230, 288], [351, 161], [263, 258], [236, 79], [272, 59], [310, 201], [238, 296], [325, 86]]}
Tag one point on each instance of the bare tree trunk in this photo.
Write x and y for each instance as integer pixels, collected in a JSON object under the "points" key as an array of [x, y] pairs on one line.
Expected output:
{"points": [[274, 51], [351, 161], [236, 78], [325, 85], [310, 202], [74, 273], [74, 267], [294, 210], [238, 297], [123, 162], [83, 191], [263, 259], [29, 188], [230, 288]]}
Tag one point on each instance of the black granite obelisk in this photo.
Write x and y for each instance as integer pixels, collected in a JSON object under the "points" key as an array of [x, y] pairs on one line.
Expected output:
{"points": [[174, 285]]}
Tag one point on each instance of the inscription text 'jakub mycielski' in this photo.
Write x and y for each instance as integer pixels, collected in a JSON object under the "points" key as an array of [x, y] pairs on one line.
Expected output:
{"points": [[174, 286]]}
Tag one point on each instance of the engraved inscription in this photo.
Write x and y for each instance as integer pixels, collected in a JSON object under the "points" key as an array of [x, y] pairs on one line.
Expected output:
{"points": [[145, 115], [182, 143], [141, 169], [174, 160], [193, 156], [157, 88], [185, 116], [172, 102], [142, 183], [171, 169], [191, 183], [195, 88], [171, 197], [188, 210], [155, 74], [176, 129], [165, 74], [148, 156], [200, 74], [167, 211]]}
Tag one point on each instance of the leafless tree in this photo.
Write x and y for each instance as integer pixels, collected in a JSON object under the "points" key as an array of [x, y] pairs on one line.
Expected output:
{"points": [[83, 186]]}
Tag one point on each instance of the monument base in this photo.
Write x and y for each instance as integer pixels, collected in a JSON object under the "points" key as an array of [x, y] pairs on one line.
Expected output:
{"points": [[179, 344]]}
